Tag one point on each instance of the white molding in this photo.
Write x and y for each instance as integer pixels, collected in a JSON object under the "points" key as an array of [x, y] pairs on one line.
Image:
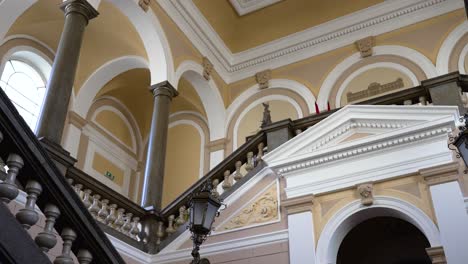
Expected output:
{"points": [[461, 60], [202, 141], [404, 140], [124, 119], [10, 11], [244, 7], [291, 85], [388, 65], [178, 113], [352, 214], [447, 46], [129, 251], [23, 36], [211, 98], [409, 54], [271, 97], [244, 243], [375, 20]]}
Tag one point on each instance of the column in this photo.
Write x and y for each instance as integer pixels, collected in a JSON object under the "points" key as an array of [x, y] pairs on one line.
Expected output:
{"points": [[301, 230], [156, 156], [59, 89], [450, 211]]}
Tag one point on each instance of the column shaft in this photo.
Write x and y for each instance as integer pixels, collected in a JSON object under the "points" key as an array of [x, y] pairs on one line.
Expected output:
{"points": [[156, 156], [60, 85]]}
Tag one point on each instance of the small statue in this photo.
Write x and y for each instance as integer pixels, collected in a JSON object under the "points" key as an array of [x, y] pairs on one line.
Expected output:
{"points": [[266, 115]]}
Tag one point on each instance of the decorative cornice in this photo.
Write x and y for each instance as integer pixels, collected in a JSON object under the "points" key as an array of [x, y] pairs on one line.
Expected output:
{"points": [[76, 120], [378, 19], [244, 7], [363, 149], [441, 174], [82, 7], [298, 204]]}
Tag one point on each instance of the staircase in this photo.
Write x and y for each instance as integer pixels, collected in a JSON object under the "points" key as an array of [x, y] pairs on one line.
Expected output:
{"points": [[83, 210]]}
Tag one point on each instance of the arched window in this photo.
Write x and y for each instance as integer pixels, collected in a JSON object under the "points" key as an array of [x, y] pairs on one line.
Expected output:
{"points": [[26, 88]]}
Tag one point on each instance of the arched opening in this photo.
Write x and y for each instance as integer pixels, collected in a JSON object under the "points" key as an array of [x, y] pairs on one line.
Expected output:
{"points": [[384, 240]]}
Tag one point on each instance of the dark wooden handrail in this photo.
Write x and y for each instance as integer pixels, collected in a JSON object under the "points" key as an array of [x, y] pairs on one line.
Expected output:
{"points": [[19, 139]]}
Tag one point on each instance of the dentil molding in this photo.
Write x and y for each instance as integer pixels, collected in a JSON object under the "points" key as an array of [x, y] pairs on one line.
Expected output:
{"points": [[375, 20]]}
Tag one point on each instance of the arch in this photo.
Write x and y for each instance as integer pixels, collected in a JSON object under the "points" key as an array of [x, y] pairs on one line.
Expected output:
{"points": [[349, 216], [112, 104], [211, 98], [292, 85], [101, 77], [443, 57], [154, 39], [461, 60], [399, 51], [367, 67], [272, 97], [10, 10]]}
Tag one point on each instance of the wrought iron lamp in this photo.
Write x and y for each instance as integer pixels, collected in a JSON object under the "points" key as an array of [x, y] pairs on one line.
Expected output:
{"points": [[203, 210], [461, 140]]}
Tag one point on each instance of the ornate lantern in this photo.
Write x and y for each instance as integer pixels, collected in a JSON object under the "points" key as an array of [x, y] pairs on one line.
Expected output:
{"points": [[461, 140], [203, 210]]}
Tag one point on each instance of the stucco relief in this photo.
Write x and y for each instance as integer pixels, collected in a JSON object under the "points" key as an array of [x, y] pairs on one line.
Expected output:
{"points": [[263, 209]]}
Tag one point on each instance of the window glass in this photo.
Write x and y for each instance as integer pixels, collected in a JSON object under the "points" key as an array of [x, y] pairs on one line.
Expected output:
{"points": [[26, 89]]}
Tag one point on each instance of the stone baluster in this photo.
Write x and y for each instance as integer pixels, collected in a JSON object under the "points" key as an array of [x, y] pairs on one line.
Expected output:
{"points": [[170, 226], [94, 208], [135, 230], [2, 169], [77, 188], [120, 221], [28, 216], [423, 100], [407, 102], [84, 256], [261, 146], [250, 163], [180, 220], [8, 188], [227, 180], [297, 131], [127, 224], [103, 213], [214, 190], [87, 198], [238, 175], [68, 236], [47, 239], [160, 233], [110, 219]]}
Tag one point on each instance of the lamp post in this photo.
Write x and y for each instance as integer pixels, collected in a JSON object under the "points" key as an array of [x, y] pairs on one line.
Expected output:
{"points": [[461, 140], [203, 210]]}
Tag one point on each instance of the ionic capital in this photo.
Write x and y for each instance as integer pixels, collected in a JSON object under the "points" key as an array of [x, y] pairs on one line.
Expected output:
{"points": [[163, 89], [81, 7]]}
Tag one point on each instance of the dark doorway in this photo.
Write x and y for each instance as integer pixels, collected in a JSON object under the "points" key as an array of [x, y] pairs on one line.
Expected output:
{"points": [[384, 240]]}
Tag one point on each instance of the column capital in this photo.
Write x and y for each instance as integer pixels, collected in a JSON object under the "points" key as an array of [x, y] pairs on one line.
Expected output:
{"points": [[82, 7], [163, 89]]}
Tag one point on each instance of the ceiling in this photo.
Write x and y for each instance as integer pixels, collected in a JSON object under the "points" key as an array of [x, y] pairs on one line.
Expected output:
{"points": [[272, 22]]}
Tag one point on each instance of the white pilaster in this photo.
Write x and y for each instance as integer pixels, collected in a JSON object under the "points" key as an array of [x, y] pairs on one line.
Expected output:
{"points": [[216, 157], [452, 220], [71, 140]]}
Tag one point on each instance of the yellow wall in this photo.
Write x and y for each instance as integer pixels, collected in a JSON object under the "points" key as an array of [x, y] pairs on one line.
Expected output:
{"points": [[115, 125], [378, 75], [182, 161], [103, 165], [250, 123]]}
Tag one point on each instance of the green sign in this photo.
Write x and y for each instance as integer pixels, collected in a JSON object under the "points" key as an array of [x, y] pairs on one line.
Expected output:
{"points": [[109, 175]]}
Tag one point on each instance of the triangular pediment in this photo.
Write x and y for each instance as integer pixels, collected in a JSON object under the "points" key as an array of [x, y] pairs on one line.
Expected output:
{"points": [[354, 124]]}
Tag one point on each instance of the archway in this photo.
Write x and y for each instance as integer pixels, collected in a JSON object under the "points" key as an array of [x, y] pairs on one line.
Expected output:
{"points": [[384, 240]]}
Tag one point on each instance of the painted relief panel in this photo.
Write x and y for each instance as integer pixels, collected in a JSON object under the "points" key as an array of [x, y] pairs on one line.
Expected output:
{"points": [[373, 83], [261, 210]]}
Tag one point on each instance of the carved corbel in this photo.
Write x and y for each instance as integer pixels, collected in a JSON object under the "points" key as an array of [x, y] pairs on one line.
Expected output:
{"points": [[365, 46], [366, 193], [207, 68], [263, 78], [144, 4]]}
